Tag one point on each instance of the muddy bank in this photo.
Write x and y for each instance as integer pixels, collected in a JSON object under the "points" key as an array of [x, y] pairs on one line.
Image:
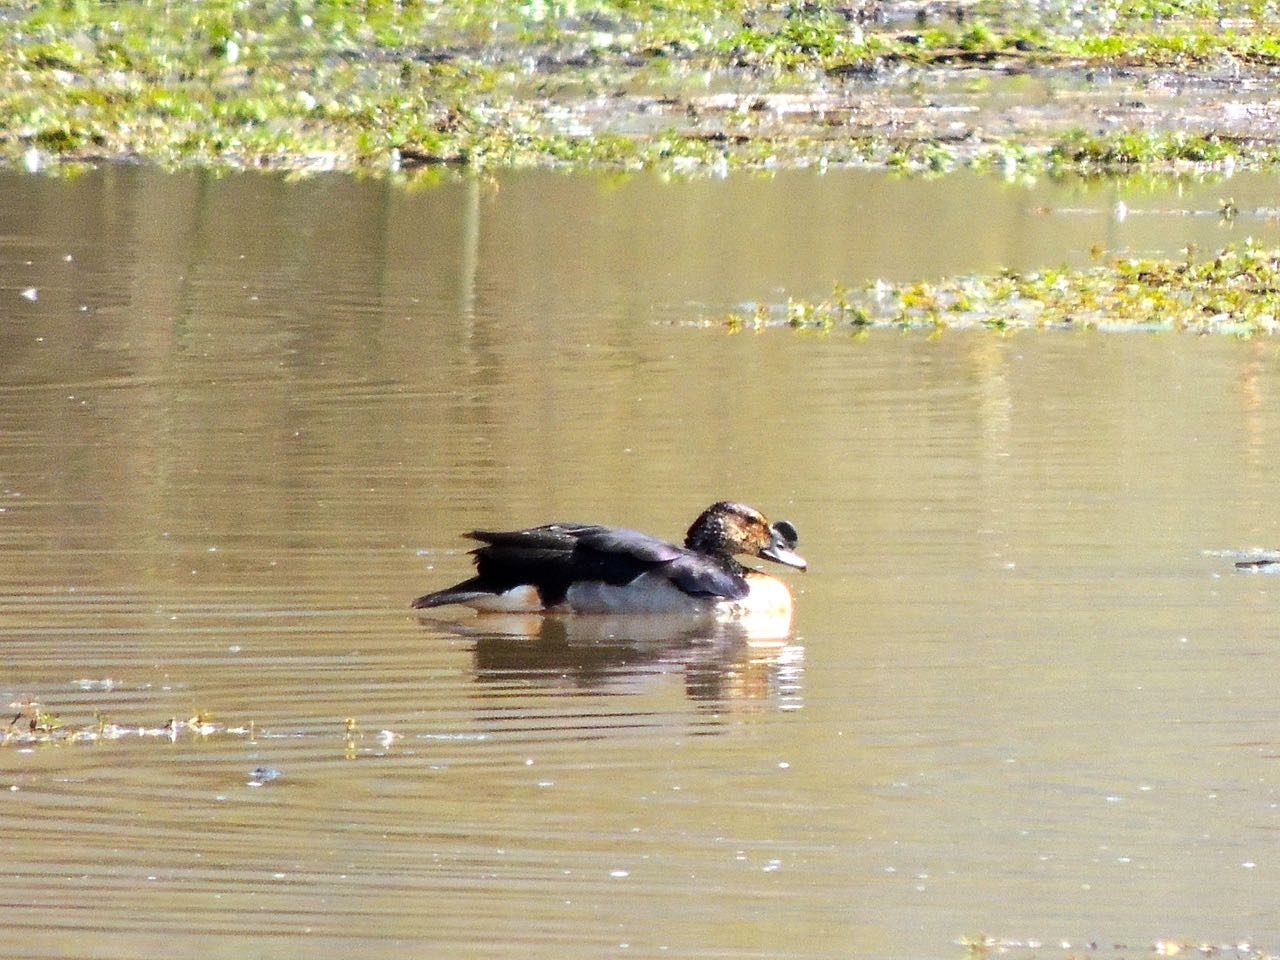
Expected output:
{"points": [[688, 86]]}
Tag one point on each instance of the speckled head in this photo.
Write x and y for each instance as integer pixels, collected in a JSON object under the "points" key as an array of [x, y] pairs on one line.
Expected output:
{"points": [[726, 528]]}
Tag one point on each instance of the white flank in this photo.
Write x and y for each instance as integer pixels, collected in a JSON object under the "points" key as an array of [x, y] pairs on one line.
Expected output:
{"points": [[647, 593], [654, 593], [522, 599]]}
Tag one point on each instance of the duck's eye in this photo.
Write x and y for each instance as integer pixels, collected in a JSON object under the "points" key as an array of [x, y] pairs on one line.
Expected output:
{"points": [[786, 532]]}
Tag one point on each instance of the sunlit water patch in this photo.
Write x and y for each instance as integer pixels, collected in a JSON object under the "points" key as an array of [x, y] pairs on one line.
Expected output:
{"points": [[1019, 701]]}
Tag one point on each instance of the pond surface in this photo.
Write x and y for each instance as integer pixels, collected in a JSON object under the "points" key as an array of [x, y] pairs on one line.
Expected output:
{"points": [[243, 420]]}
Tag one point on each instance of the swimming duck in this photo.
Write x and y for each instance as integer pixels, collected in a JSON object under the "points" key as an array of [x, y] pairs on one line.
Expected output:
{"points": [[587, 568]]}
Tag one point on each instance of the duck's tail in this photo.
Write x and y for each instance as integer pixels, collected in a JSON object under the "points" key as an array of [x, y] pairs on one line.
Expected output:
{"points": [[465, 593], [482, 595]]}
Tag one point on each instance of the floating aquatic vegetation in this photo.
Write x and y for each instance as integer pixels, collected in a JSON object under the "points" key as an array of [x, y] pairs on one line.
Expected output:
{"points": [[984, 946], [406, 88], [33, 724], [1234, 291]]}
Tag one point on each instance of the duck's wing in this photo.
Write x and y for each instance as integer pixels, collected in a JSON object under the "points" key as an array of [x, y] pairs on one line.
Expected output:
{"points": [[701, 578], [557, 555], [560, 554], [691, 572]]}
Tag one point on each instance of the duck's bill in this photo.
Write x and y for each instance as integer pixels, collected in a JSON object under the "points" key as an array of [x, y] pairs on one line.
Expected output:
{"points": [[780, 554]]}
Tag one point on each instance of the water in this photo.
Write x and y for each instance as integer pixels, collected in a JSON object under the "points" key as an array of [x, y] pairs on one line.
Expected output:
{"points": [[243, 420]]}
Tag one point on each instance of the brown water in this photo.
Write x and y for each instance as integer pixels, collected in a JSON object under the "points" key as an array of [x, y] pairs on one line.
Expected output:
{"points": [[243, 420]]}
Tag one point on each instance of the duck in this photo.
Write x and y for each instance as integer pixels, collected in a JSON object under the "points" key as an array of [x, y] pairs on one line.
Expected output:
{"points": [[593, 569]]}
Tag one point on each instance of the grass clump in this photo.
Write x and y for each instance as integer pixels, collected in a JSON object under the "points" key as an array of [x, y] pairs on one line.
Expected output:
{"points": [[1140, 149]]}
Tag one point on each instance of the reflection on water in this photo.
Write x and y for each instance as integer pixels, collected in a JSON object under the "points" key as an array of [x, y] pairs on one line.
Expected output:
{"points": [[242, 418], [724, 664]]}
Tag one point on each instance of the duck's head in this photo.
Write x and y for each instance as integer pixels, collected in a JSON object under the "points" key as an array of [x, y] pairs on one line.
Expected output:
{"points": [[727, 528]]}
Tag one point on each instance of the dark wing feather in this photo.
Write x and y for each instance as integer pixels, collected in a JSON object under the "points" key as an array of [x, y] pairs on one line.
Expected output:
{"points": [[553, 536], [632, 543]]}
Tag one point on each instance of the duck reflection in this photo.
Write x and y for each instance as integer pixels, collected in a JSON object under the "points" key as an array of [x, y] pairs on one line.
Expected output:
{"points": [[744, 661]]}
